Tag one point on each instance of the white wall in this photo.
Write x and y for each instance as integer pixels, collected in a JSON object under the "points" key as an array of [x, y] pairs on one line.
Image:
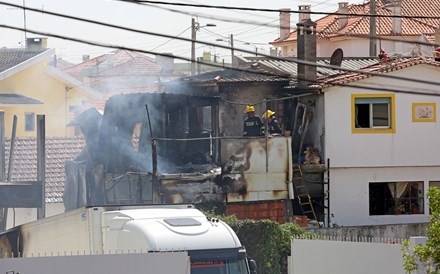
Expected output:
{"points": [[413, 144], [322, 256], [349, 194], [409, 154], [158, 263]]}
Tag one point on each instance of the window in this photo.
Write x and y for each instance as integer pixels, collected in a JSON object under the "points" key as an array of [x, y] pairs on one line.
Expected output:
{"points": [[373, 113], [396, 198], [29, 120]]}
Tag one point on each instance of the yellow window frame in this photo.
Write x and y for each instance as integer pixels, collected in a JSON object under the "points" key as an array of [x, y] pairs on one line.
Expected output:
{"points": [[392, 128]]}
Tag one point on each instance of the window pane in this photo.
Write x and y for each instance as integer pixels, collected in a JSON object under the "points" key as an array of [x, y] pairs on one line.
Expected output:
{"points": [[396, 198], [380, 115], [362, 116], [29, 118]]}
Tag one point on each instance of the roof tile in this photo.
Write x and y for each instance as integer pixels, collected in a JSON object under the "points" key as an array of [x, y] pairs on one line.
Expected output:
{"points": [[58, 151]]}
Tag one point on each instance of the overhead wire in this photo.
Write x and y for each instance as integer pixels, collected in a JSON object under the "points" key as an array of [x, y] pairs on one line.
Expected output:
{"points": [[201, 42], [276, 10], [234, 68]]}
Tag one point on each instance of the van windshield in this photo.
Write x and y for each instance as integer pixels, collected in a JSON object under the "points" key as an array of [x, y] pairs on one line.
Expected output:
{"points": [[220, 267]]}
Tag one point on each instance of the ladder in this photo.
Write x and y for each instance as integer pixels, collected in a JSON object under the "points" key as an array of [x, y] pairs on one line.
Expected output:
{"points": [[304, 199]]}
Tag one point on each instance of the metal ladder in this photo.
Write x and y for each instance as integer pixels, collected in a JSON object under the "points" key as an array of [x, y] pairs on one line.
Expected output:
{"points": [[304, 199]]}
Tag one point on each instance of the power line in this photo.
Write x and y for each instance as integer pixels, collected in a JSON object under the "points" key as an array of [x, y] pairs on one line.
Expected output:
{"points": [[166, 35], [277, 10], [189, 40], [232, 68]]}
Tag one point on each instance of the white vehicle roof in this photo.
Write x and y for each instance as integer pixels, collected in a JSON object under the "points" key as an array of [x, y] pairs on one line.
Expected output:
{"points": [[160, 229]]}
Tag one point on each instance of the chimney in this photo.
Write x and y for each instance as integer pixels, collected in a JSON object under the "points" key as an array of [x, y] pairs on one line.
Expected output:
{"points": [[85, 58], [284, 24], [303, 13], [306, 37], [342, 19], [396, 9]]}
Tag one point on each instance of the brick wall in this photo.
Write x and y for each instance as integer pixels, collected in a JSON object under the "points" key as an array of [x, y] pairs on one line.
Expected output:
{"points": [[272, 210]]}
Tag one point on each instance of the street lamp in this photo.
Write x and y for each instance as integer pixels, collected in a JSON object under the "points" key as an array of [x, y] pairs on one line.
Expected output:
{"points": [[231, 42], [195, 26], [256, 48]]}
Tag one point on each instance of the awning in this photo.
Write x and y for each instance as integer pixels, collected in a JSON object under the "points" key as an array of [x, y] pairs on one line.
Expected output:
{"points": [[17, 99]]}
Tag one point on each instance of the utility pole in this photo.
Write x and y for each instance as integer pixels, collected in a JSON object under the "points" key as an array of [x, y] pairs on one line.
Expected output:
{"points": [[373, 51], [195, 26], [193, 46], [231, 40]]}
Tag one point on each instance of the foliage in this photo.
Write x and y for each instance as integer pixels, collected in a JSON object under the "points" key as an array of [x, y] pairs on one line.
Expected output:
{"points": [[267, 242], [426, 258]]}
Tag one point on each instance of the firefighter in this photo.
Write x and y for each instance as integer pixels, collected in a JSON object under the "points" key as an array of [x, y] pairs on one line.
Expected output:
{"points": [[252, 123], [272, 124]]}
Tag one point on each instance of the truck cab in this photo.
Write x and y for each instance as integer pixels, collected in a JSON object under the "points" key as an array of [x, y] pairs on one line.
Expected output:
{"points": [[212, 245]]}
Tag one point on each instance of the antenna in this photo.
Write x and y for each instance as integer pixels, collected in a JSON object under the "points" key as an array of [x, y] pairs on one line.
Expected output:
{"points": [[336, 58], [24, 22]]}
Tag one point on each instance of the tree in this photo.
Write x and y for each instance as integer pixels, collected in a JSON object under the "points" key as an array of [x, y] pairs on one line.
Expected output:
{"points": [[426, 258]]}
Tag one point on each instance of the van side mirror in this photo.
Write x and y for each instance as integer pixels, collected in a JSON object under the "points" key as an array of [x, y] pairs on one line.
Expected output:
{"points": [[252, 266]]}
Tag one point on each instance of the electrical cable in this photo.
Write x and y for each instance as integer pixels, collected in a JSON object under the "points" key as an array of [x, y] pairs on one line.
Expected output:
{"points": [[186, 39], [223, 67], [277, 10]]}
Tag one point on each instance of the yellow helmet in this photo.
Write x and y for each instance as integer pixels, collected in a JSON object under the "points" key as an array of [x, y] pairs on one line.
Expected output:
{"points": [[249, 108], [268, 113]]}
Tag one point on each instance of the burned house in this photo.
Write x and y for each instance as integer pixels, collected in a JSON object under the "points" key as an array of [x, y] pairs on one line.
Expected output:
{"points": [[182, 145]]}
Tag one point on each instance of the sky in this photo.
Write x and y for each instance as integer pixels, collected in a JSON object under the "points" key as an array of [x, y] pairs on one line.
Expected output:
{"points": [[250, 30]]}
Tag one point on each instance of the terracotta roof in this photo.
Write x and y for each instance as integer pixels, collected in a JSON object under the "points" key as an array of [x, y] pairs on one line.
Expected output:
{"points": [[58, 151], [115, 62], [328, 26], [348, 77], [10, 58]]}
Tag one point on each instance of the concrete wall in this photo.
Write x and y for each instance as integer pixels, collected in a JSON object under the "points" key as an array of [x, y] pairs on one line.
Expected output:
{"points": [[397, 231], [158, 263], [322, 256]]}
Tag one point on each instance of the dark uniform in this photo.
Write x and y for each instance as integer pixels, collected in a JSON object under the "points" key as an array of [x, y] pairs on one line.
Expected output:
{"points": [[274, 126], [252, 126]]}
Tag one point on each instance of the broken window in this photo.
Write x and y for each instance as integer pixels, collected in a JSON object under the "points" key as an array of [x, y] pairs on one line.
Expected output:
{"points": [[396, 198], [372, 113]]}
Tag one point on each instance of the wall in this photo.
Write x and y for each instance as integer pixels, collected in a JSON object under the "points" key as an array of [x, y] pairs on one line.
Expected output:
{"points": [[409, 154], [356, 47], [322, 256], [349, 193], [413, 144], [158, 263], [399, 231], [232, 115], [276, 211], [35, 83]]}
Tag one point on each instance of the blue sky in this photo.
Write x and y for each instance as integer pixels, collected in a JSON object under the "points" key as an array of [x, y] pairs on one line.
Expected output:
{"points": [[245, 26]]}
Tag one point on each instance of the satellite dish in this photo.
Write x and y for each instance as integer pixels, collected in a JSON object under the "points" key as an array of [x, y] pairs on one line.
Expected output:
{"points": [[336, 58]]}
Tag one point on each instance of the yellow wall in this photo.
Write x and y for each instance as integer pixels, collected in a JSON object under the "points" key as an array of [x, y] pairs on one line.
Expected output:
{"points": [[34, 82]]}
